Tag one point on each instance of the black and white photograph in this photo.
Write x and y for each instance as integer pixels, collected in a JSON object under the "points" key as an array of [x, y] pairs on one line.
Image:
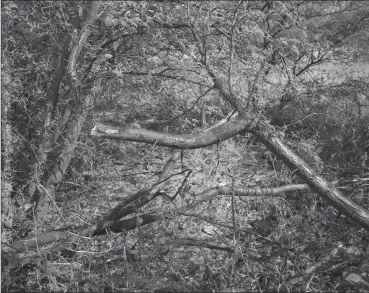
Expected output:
{"points": [[185, 146]]}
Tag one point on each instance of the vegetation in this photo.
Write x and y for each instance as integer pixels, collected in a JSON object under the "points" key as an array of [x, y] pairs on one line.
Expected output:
{"points": [[185, 146]]}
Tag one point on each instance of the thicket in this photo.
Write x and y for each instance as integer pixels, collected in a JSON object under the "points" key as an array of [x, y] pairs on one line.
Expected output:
{"points": [[229, 216]]}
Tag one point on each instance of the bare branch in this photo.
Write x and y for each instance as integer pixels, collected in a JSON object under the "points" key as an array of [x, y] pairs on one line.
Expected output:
{"points": [[73, 56], [180, 141], [134, 202]]}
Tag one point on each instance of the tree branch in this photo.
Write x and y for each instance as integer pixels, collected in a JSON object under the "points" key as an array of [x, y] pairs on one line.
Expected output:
{"points": [[327, 190], [73, 56], [134, 202], [179, 141]]}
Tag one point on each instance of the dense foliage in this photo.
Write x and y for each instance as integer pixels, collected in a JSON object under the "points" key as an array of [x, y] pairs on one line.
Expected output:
{"points": [[181, 67]]}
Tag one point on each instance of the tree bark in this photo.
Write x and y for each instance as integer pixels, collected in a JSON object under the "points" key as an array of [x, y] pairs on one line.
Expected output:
{"points": [[7, 150], [66, 154], [222, 132], [76, 123], [49, 136], [325, 189]]}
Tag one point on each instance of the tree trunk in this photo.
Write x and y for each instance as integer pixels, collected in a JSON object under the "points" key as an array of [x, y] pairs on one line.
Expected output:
{"points": [[75, 125], [7, 152], [66, 154], [51, 133]]}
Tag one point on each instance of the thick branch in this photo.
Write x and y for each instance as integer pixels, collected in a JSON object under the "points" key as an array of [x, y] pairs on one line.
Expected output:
{"points": [[60, 72], [73, 56], [317, 183], [179, 141], [226, 190]]}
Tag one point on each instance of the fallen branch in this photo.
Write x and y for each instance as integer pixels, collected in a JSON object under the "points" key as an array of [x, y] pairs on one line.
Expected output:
{"points": [[110, 220], [262, 130], [134, 202], [180, 141]]}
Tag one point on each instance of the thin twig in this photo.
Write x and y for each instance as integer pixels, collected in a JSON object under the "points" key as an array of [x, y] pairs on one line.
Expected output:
{"points": [[53, 201]]}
